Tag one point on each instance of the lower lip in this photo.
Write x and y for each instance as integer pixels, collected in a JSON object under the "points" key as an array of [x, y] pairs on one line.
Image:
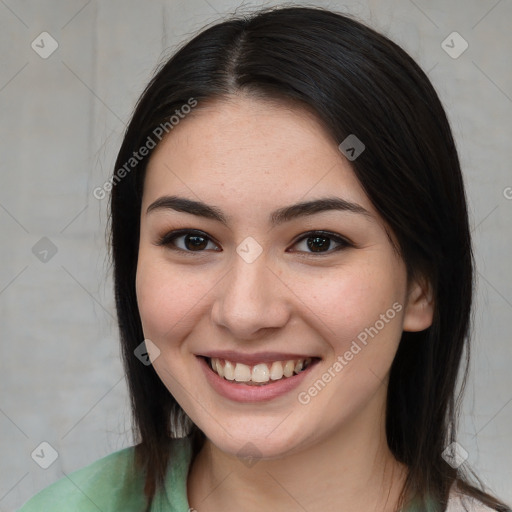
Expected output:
{"points": [[246, 393]]}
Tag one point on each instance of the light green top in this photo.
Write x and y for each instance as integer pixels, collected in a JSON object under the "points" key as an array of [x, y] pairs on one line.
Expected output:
{"points": [[113, 484]]}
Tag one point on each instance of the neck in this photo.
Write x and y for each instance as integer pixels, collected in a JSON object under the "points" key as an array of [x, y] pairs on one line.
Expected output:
{"points": [[352, 469]]}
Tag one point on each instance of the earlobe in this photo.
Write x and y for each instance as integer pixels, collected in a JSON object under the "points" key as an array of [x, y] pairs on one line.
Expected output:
{"points": [[419, 310]]}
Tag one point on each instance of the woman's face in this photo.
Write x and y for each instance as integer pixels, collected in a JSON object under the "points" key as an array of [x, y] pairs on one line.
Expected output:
{"points": [[280, 258]]}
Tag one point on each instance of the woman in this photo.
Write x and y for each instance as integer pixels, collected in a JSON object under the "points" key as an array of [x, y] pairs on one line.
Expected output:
{"points": [[293, 277]]}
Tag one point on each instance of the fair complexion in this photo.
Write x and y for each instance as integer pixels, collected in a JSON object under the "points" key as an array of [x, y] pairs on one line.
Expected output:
{"points": [[247, 158]]}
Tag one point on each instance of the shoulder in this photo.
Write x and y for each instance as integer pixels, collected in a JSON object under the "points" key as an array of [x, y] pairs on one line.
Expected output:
{"points": [[111, 483]]}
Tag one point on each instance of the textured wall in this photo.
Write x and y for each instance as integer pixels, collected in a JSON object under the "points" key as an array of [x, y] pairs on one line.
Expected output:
{"points": [[62, 116]]}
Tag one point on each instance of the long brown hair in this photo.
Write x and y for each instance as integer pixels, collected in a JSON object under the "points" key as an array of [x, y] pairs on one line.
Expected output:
{"points": [[357, 81]]}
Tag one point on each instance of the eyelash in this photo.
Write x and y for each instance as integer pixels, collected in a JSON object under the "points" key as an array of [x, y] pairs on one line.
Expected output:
{"points": [[168, 239]]}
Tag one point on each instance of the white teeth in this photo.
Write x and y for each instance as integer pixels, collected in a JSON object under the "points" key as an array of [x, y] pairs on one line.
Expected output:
{"points": [[288, 368], [229, 371], [242, 372], [259, 373], [218, 367], [276, 371]]}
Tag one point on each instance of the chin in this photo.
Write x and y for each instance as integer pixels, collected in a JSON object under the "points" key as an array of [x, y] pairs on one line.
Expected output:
{"points": [[255, 442]]}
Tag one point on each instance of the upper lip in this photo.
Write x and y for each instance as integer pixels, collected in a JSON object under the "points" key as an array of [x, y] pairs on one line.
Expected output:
{"points": [[252, 359]]}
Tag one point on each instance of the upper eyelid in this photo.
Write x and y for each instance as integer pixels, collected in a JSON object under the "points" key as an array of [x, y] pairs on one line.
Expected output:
{"points": [[321, 232], [177, 233], [338, 239]]}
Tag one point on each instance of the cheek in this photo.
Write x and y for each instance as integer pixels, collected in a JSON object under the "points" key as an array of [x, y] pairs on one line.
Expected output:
{"points": [[346, 301], [359, 314], [168, 299]]}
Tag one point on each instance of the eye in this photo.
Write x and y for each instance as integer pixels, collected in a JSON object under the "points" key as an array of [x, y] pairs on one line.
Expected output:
{"points": [[188, 241], [192, 240], [321, 242]]}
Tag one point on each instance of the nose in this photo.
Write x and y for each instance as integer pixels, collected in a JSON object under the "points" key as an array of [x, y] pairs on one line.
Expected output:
{"points": [[251, 300]]}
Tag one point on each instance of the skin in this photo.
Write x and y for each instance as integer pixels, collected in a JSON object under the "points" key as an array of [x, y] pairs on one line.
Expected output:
{"points": [[249, 157]]}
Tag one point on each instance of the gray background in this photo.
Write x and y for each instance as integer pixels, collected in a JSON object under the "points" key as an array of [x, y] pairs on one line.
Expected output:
{"points": [[62, 122]]}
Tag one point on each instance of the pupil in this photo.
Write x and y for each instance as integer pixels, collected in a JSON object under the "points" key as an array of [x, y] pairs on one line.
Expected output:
{"points": [[195, 242], [318, 243]]}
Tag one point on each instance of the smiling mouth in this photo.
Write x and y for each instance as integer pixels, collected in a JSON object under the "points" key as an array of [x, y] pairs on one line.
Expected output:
{"points": [[260, 374]]}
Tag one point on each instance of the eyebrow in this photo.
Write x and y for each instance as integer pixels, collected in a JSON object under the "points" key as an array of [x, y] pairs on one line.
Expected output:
{"points": [[280, 216]]}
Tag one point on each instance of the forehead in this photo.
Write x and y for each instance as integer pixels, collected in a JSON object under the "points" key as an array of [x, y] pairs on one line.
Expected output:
{"points": [[252, 152]]}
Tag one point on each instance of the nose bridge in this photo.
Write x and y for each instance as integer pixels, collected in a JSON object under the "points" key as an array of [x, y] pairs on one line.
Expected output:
{"points": [[250, 298]]}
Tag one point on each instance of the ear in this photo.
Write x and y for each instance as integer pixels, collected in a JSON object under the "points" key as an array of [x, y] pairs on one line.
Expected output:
{"points": [[419, 309]]}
